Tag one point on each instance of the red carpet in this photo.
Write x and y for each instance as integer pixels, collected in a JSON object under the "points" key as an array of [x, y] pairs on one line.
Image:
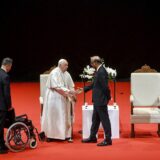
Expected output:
{"points": [[145, 146]]}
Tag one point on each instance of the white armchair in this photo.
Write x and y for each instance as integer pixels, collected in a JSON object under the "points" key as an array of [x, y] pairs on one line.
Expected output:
{"points": [[145, 99], [43, 80]]}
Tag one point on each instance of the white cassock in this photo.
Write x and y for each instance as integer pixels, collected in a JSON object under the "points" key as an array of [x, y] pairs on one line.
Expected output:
{"points": [[56, 117]]}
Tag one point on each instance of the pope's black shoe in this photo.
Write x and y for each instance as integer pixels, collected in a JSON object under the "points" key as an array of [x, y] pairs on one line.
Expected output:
{"points": [[105, 143], [50, 140], [89, 140]]}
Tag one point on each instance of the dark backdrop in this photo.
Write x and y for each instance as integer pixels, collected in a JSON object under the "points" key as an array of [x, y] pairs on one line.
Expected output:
{"points": [[37, 33]]}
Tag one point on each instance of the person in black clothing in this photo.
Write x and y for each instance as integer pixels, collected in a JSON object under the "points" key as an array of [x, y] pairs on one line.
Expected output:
{"points": [[100, 99], [5, 99]]}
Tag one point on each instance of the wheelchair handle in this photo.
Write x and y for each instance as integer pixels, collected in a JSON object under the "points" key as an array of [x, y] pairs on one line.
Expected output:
{"points": [[23, 115]]}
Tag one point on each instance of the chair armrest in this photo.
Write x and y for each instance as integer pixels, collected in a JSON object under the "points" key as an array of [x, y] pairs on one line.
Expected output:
{"points": [[41, 100], [131, 98], [159, 99]]}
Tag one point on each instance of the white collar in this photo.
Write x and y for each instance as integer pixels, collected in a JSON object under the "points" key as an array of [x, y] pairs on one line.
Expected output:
{"points": [[4, 69], [99, 67]]}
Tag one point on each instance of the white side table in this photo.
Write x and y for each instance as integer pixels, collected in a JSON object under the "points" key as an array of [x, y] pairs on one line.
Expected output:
{"points": [[87, 112]]}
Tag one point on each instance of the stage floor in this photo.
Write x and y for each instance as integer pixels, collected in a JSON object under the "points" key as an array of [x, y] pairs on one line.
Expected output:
{"points": [[25, 97]]}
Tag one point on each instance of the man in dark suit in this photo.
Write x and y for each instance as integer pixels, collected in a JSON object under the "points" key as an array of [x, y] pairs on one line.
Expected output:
{"points": [[100, 98], [5, 99]]}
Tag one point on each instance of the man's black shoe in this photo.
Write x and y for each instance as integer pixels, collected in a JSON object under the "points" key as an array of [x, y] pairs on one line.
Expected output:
{"points": [[105, 143], [5, 147], [3, 150], [89, 140]]}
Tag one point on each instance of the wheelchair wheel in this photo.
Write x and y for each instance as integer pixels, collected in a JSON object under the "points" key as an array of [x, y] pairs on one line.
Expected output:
{"points": [[17, 137], [33, 143]]}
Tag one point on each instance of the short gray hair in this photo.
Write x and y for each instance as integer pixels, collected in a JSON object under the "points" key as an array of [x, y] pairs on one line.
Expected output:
{"points": [[7, 61], [62, 61], [96, 59]]}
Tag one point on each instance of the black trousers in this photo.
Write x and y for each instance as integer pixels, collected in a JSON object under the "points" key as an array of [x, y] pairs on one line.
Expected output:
{"points": [[100, 114], [3, 115]]}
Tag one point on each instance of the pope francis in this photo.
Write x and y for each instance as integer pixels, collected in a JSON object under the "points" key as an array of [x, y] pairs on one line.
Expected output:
{"points": [[58, 100]]}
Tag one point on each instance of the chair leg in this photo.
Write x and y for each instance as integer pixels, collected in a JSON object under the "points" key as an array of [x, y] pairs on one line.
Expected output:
{"points": [[158, 132], [132, 131], [41, 109]]}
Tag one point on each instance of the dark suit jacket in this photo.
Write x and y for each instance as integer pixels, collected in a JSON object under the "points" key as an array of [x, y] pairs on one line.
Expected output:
{"points": [[5, 97], [100, 89]]}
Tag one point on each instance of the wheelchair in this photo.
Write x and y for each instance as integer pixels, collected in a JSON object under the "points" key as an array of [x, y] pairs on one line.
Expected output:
{"points": [[21, 132]]}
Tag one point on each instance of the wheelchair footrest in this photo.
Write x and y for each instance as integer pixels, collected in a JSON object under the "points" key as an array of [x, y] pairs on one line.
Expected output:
{"points": [[41, 136]]}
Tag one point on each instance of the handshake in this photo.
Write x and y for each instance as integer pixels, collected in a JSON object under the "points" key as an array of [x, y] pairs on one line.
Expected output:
{"points": [[77, 91], [72, 94]]}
